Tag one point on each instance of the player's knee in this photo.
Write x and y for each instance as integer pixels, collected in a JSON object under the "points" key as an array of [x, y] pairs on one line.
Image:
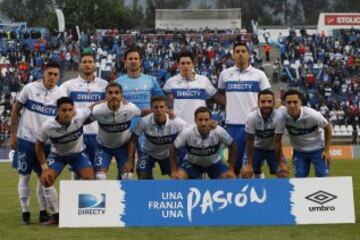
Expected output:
{"points": [[222, 176], [183, 175], [87, 174]]}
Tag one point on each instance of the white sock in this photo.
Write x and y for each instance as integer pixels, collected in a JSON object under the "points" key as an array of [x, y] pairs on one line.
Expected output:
{"points": [[261, 175], [75, 176], [127, 176], [40, 196], [100, 176], [52, 200], [24, 192]]}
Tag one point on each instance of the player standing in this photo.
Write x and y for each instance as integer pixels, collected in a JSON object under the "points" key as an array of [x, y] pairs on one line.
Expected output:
{"points": [[240, 85], [189, 89], [35, 104], [85, 90]]}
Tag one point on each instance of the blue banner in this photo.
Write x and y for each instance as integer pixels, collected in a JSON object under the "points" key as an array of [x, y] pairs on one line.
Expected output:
{"points": [[131, 203], [199, 203]]}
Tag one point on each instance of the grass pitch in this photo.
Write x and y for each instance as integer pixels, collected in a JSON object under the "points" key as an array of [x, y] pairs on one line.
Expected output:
{"points": [[12, 229]]}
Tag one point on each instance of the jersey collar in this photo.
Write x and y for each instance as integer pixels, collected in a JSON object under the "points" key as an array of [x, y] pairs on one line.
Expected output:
{"points": [[184, 79], [154, 123], [86, 81], [44, 88], [248, 69]]}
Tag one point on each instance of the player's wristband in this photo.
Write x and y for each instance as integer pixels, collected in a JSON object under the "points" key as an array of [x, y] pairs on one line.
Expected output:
{"points": [[44, 166]]}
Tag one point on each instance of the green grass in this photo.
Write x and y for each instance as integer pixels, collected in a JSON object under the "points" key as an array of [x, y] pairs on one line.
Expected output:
{"points": [[11, 228]]}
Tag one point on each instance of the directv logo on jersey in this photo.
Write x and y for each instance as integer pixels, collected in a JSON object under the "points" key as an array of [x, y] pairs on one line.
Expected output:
{"points": [[90, 204], [321, 197]]}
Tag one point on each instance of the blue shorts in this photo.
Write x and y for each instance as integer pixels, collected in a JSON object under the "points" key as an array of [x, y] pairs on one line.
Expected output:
{"points": [[146, 162], [90, 143], [103, 156], [25, 159], [76, 161], [195, 171], [269, 155], [302, 161], [238, 133]]}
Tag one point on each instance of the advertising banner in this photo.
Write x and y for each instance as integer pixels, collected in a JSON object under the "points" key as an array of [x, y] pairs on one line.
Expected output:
{"points": [[337, 152], [206, 203]]}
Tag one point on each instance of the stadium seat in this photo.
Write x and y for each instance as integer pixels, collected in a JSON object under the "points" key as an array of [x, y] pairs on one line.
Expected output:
{"points": [[336, 130]]}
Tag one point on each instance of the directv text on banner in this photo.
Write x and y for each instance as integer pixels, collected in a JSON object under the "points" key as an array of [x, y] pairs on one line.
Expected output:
{"points": [[206, 203]]}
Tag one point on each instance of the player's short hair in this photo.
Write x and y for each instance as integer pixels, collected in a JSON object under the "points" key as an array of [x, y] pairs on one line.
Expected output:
{"points": [[158, 99], [64, 100], [133, 49], [202, 110], [86, 54], [293, 92], [266, 92], [237, 44], [185, 53], [51, 64], [113, 84]]}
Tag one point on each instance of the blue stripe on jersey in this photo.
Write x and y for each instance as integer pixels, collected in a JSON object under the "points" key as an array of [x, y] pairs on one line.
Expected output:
{"points": [[194, 93], [242, 86], [161, 140], [300, 131], [70, 137], [266, 133], [115, 127], [203, 152], [48, 110], [80, 96]]}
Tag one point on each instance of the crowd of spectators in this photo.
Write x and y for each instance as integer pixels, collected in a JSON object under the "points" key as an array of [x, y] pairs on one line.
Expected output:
{"points": [[326, 68]]}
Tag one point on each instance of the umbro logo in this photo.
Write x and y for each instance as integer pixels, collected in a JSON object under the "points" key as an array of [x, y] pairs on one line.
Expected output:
{"points": [[322, 198]]}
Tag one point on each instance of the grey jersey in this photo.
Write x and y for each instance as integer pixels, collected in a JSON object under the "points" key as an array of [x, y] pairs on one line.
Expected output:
{"points": [[203, 151], [264, 131], [305, 133]]}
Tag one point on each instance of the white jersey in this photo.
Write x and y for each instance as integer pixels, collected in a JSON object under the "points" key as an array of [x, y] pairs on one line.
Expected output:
{"points": [[305, 133], [264, 131], [114, 125], [158, 138], [84, 93], [241, 91], [39, 105], [65, 140], [189, 94], [203, 151]]}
